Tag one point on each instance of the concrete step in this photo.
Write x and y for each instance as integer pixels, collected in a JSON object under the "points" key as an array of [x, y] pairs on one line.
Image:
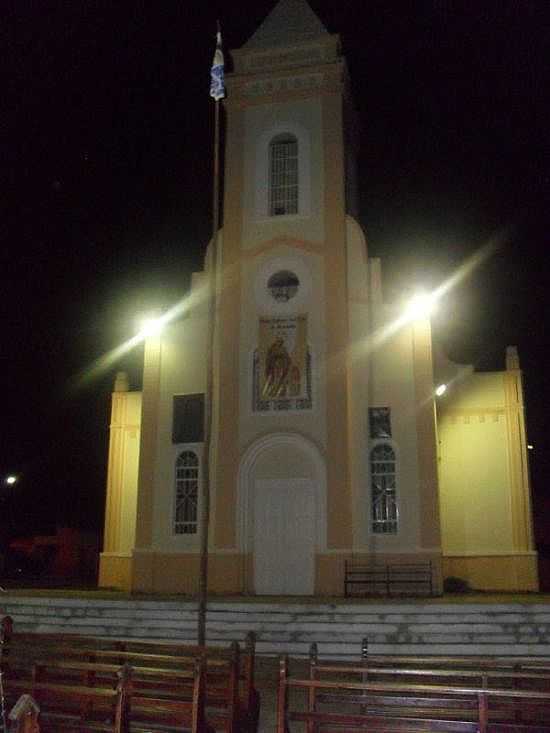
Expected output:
{"points": [[406, 627]]}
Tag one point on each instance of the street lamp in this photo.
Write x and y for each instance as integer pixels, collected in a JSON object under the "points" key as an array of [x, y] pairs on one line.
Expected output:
{"points": [[11, 479], [441, 390]]}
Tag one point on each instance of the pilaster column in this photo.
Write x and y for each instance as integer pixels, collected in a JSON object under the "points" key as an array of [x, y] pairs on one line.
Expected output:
{"points": [[115, 468], [522, 525], [430, 525], [148, 442], [339, 498]]}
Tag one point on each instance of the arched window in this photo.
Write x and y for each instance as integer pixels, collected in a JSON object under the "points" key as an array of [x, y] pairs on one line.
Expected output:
{"points": [[187, 493], [283, 175], [383, 483]]}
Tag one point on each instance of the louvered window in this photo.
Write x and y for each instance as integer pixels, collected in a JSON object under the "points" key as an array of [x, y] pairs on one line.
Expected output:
{"points": [[283, 175]]}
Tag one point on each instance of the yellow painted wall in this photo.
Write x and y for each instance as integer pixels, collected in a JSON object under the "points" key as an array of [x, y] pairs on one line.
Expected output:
{"points": [[122, 472], [476, 391], [474, 484], [170, 572], [115, 571], [115, 565], [495, 572], [484, 485]]}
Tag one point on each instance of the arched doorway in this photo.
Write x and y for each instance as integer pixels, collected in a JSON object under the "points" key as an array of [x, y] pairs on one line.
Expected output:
{"points": [[282, 514]]}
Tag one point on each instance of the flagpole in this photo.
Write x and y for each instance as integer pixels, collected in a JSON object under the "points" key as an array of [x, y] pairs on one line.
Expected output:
{"points": [[208, 413]]}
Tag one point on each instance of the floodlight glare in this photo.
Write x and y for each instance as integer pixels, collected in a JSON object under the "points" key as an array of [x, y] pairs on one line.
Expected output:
{"points": [[11, 480], [441, 390], [420, 306], [150, 327]]}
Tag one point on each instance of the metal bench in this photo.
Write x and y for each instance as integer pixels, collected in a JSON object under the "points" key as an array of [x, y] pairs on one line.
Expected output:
{"points": [[394, 579]]}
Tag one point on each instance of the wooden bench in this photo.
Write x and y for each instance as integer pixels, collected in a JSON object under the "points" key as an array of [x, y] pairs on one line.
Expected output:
{"points": [[521, 671], [232, 700], [348, 702], [487, 679], [68, 707], [505, 672], [80, 696], [153, 675], [395, 579], [479, 660]]}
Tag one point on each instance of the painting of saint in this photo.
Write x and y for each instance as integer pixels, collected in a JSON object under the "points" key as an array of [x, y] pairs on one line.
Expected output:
{"points": [[282, 351], [277, 369]]}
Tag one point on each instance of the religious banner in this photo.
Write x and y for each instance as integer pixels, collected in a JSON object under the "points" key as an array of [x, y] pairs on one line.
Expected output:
{"points": [[283, 358]]}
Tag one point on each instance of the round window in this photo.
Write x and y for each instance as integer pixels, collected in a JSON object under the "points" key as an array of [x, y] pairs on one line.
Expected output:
{"points": [[283, 285]]}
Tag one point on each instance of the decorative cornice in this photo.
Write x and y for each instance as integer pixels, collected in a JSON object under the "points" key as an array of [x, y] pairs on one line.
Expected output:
{"points": [[285, 58], [467, 415], [300, 83], [302, 244], [322, 50]]}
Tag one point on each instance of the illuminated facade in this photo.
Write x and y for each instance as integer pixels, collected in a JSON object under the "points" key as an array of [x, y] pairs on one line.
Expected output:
{"points": [[325, 440]]}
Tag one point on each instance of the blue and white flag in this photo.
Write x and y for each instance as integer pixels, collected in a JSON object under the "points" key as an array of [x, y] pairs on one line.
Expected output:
{"points": [[217, 85]]}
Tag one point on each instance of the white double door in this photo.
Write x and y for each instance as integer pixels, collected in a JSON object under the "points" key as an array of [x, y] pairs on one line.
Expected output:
{"points": [[284, 537]]}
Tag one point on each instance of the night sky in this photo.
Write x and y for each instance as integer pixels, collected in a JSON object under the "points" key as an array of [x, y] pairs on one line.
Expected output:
{"points": [[106, 156]]}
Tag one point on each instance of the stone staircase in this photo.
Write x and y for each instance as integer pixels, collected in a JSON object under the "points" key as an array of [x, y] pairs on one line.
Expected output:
{"points": [[392, 627]]}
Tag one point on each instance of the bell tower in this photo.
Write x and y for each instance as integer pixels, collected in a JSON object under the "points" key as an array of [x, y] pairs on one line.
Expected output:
{"points": [[283, 318]]}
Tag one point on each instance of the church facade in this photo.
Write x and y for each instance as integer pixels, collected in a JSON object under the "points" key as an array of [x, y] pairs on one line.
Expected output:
{"points": [[327, 441]]}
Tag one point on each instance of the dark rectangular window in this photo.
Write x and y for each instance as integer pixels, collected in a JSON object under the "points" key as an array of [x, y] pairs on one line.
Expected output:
{"points": [[188, 419], [283, 175], [379, 422]]}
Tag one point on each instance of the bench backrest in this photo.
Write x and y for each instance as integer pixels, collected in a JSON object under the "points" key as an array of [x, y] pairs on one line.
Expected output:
{"points": [[138, 652], [66, 701], [525, 672], [156, 667], [362, 578], [358, 704], [62, 695]]}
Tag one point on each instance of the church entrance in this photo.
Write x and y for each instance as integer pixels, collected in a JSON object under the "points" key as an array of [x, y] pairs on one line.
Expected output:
{"points": [[284, 537]]}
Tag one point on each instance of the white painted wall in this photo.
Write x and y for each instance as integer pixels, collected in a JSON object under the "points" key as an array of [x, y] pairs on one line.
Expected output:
{"points": [[310, 302], [182, 372], [392, 385], [262, 122], [358, 294]]}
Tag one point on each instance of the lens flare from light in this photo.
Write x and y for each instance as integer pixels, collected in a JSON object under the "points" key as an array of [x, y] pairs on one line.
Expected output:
{"points": [[381, 335], [149, 327], [108, 360], [421, 306]]}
